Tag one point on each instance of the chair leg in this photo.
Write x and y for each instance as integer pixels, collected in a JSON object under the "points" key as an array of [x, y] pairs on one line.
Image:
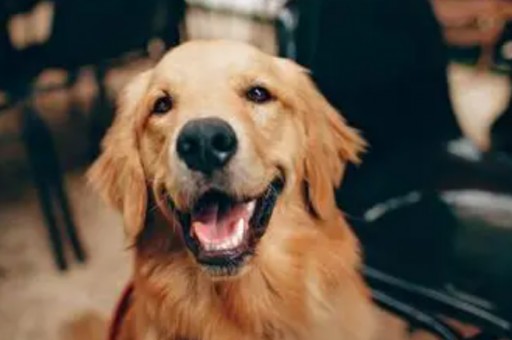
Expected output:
{"points": [[40, 151], [71, 230], [51, 223]]}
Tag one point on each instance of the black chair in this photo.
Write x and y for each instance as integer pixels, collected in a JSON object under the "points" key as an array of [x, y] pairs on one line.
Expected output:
{"points": [[383, 64], [84, 33]]}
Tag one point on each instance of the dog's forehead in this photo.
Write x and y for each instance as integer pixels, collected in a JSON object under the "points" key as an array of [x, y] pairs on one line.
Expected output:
{"points": [[211, 59]]}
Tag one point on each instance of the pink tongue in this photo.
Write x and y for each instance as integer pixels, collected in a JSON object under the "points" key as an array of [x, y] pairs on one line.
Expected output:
{"points": [[209, 226]]}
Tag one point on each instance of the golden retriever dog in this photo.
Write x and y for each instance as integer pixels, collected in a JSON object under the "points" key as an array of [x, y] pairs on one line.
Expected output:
{"points": [[223, 161]]}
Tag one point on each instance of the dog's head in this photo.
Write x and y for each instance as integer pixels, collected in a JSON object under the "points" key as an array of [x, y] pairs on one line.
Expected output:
{"points": [[220, 134]]}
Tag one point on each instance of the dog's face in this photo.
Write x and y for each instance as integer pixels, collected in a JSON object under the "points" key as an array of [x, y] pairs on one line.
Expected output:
{"points": [[219, 134]]}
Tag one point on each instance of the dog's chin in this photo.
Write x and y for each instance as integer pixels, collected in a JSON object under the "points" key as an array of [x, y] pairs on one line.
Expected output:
{"points": [[222, 231]]}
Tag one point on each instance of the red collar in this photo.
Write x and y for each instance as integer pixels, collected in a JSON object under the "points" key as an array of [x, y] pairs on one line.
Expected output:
{"points": [[120, 312]]}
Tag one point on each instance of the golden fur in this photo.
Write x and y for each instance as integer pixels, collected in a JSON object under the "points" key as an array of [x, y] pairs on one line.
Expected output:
{"points": [[303, 282]]}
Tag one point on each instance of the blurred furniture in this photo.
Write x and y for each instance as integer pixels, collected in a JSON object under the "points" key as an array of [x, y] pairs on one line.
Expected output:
{"points": [[84, 33], [480, 31], [383, 64], [476, 26]]}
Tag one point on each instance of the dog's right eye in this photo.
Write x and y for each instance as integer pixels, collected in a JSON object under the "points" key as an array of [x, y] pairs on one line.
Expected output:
{"points": [[162, 105]]}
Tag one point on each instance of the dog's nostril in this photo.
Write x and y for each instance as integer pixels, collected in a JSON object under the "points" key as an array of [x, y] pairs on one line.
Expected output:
{"points": [[223, 142]]}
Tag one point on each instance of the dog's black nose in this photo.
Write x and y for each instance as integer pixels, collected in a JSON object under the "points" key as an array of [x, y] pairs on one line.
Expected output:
{"points": [[206, 144]]}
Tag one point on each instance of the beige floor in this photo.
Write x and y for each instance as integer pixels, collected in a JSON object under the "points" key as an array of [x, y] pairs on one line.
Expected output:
{"points": [[35, 299]]}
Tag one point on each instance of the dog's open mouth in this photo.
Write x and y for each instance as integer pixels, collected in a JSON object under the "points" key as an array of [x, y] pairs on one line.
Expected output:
{"points": [[222, 231]]}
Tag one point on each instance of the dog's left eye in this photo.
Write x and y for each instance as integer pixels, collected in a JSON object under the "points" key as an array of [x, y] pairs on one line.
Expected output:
{"points": [[162, 105], [258, 94]]}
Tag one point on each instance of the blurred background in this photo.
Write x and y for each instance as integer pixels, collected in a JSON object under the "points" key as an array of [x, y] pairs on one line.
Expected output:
{"points": [[427, 82]]}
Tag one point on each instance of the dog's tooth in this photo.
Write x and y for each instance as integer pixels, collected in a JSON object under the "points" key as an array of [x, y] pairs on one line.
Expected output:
{"points": [[232, 242], [235, 241], [229, 243], [225, 245], [250, 208], [240, 228]]}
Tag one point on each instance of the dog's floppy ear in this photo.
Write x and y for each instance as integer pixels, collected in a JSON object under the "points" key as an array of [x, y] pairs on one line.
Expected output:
{"points": [[118, 174], [330, 144]]}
